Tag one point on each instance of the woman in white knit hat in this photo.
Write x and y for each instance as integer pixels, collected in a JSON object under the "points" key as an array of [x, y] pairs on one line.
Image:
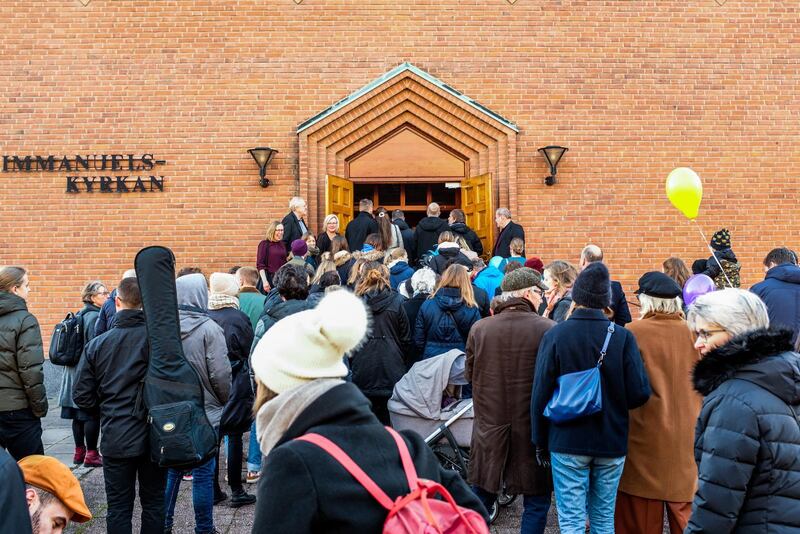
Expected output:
{"points": [[299, 370]]}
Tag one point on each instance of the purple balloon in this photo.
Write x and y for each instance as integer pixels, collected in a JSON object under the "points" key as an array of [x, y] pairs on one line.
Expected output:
{"points": [[696, 286]]}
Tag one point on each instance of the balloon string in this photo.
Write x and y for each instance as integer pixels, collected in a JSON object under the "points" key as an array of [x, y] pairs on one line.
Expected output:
{"points": [[705, 240]]}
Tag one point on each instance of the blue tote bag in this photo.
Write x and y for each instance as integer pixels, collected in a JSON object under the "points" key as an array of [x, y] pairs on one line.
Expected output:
{"points": [[578, 394]]}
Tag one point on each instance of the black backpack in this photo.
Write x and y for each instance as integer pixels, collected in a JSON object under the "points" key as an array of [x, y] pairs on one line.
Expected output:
{"points": [[66, 345], [181, 436]]}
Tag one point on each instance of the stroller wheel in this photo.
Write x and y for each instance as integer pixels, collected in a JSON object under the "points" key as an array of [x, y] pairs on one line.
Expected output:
{"points": [[494, 511], [504, 499]]}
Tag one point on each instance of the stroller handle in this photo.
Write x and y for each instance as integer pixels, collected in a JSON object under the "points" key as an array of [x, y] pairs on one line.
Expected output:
{"points": [[438, 432]]}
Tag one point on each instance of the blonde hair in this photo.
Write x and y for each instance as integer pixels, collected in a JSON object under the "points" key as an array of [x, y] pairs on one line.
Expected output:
{"points": [[659, 305], [354, 275], [263, 396], [329, 218], [90, 290], [462, 243], [397, 254], [11, 277], [563, 273], [457, 276], [375, 278], [517, 246], [271, 229], [326, 265], [446, 237]]}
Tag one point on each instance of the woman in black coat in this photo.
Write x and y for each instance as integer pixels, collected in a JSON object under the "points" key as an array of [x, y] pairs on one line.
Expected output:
{"points": [[382, 359], [299, 370], [223, 308], [747, 440]]}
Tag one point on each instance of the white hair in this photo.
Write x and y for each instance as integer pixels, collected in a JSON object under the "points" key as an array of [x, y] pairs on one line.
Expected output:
{"points": [[652, 304], [736, 310], [517, 293], [130, 273], [296, 202], [424, 281], [503, 212]]}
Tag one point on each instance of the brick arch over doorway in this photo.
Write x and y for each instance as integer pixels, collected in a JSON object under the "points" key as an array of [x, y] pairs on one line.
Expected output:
{"points": [[406, 96]]}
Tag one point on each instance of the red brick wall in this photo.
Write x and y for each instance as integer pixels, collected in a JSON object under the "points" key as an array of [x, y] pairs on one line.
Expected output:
{"points": [[634, 89]]}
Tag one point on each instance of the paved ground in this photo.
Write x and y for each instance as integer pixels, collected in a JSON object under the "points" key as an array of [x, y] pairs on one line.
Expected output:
{"points": [[57, 437]]}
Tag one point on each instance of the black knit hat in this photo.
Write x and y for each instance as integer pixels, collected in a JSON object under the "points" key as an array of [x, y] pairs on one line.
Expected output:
{"points": [[593, 287], [721, 239]]}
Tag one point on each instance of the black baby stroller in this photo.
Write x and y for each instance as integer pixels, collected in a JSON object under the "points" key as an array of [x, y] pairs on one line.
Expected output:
{"points": [[428, 401]]}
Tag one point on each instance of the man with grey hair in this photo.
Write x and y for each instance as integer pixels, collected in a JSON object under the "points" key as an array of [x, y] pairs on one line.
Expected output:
{"points": [[294, 224], [105, 319], [426, 234], [507, 230], [619, 304], [501, 363], [363, 225]]}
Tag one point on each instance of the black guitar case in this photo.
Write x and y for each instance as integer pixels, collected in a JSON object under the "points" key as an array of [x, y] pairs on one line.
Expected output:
{"points": [[181, 435]]}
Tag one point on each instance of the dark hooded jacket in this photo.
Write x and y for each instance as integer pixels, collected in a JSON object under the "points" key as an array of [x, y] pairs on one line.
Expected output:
{"points": [[780, 291], [426, 234], [382, 358], [443, 323], [109, 379], [306, 491], [12, 496], [447, 256], [408, 238], [21, 358], [283, 308], [747, 440], [469, 236]]}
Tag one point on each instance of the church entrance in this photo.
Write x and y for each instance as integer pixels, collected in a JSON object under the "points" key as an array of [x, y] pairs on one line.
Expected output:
{"points": [[411, 198]]}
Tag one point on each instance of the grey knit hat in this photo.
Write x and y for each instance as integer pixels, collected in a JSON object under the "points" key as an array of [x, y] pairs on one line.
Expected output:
{"points": [[522, 278]]}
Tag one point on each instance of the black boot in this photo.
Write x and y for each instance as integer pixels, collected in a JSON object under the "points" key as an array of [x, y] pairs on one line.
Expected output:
{"points": [[241, 498]]}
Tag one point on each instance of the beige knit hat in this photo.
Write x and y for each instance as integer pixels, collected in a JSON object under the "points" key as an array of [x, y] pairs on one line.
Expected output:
{"points": [[224, 284], [310, 344]]}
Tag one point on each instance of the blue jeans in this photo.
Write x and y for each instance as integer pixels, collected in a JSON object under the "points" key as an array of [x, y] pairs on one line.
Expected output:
{"points": [[534, 510], [253, 451], [202, 496], [583, 482]]}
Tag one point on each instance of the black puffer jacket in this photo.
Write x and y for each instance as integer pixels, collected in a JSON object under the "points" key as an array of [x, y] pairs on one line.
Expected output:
{"points": [[469, 236], [382, 358], [447, 256], [747, 443]]}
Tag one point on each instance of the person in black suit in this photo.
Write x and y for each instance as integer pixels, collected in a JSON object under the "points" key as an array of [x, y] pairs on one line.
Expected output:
{"points": [[360, 227], [294, 224], [619, 305], [508, 230]]}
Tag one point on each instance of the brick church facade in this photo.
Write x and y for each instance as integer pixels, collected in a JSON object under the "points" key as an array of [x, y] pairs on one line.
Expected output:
{"points": [[407, 101]]}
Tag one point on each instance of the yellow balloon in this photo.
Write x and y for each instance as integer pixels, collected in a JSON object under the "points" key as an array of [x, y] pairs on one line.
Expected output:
{"points": [[685, 191]]}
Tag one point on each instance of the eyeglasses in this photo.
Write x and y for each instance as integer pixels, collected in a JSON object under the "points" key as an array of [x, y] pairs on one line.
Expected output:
{"points": [[104, 292], [705, 334]]}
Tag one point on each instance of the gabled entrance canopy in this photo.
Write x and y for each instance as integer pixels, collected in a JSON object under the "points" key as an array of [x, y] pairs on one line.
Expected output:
{"points": [[402, 107]]}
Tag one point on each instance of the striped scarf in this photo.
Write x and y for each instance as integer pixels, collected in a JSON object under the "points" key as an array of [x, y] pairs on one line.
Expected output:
{"points": [[221, 300]]}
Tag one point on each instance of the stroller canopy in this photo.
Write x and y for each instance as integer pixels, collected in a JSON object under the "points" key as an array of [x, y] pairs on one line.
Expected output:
{"points": [[420, 390]]}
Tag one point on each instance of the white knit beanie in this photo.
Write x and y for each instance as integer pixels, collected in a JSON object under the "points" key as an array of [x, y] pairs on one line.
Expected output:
{"points": [[224, 284], [310, 344]]}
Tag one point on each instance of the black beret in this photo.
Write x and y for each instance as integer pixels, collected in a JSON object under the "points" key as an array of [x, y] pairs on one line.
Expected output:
{"points": [[655, 284]]}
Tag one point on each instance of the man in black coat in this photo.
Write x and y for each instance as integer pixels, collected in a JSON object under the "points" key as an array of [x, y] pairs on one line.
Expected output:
{"points": [[619, 304], [359, 228], [507, 230], [399, 219], [780, 289], [458, 225], [109, 380], [426, 234], [294, 224]]}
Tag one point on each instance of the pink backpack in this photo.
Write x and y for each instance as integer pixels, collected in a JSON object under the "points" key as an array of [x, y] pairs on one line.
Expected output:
{"points": [[418, 512]]}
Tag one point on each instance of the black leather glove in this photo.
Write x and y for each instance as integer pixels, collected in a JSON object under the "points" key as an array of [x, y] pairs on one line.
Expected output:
{"points": [[543, 457]]}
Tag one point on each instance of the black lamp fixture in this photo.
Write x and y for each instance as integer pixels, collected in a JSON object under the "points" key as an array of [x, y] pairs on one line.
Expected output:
{"points": [[263, 155], [552, 154]]}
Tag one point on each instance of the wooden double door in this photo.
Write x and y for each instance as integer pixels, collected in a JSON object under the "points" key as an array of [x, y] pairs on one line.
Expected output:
{"points": [[473, 195]]}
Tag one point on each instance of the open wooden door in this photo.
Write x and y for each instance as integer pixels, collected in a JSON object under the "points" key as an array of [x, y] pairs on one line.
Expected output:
{"points": [[339, 200], [476, 201]]}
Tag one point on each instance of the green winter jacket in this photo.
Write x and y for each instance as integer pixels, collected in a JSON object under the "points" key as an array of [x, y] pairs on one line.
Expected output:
{"points": [[21, 358]]}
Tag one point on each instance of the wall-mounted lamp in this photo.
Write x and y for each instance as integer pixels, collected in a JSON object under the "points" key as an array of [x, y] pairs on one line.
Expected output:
{"points": [[553, 155], [263, 155]]}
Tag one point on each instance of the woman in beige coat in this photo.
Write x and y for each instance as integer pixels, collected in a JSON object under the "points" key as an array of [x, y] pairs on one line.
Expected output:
{"points": [[660, 468]]}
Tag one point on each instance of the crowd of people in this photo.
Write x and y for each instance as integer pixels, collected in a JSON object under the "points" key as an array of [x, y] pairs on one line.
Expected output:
{"points": [[693, 418]]}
